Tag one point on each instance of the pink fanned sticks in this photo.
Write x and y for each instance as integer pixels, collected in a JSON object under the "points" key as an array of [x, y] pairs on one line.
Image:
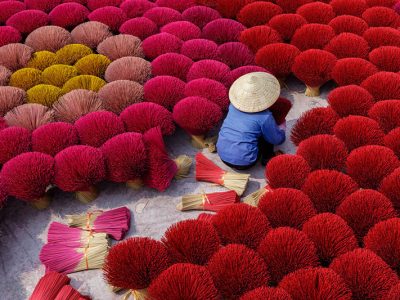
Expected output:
{"points": [[115, 222]]}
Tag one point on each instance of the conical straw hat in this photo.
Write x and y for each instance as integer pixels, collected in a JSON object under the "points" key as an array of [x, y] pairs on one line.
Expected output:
{"points": [[254, 92]]}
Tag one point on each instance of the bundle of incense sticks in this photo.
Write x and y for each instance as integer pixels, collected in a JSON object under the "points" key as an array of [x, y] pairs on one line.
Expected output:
{"points": [[49, 286], [115, 222], [210, 202], [255, 197], [55, 286], [207, 171]]}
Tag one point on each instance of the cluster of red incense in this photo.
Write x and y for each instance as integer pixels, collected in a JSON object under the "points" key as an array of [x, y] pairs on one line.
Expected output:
{"points": [[83, 244], [55, 286], [294, 251]]}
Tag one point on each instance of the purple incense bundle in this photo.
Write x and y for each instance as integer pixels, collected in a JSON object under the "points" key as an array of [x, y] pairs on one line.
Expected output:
{"points": [[115, 222]]}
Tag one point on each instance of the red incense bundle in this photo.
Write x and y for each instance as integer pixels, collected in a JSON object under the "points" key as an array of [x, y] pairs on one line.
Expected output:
{"points": [[161, 168], [64, 259], [210, 202], [69, 293], [49, 286], [280, 109], [205, 217], [115, 222], [207, 171]]}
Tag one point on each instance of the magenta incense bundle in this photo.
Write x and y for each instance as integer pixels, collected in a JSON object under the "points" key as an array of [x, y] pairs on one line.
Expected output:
{"points": [[65, 259], [115, 222]]}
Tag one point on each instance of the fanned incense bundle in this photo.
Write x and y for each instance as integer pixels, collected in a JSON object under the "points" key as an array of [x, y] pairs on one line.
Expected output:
{"points": [[73, 237], [210, 202], [115, 222], [255, 197], [207, 171], [64, 259], [69, 293], [161, 168], [49, 286]]}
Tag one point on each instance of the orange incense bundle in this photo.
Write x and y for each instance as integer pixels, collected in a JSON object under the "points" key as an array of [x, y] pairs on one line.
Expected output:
{"points": [[209, 202], [49, 286], [207, 171]]}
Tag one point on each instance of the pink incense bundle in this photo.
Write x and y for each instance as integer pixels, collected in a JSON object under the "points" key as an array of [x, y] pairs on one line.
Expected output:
{"points": [[197, 116], [62, 234], [161, 168], [67, 292], [78, 169], [126, 157], [223, 30], [207, 171], [49, 286], [28, 176], [65, 259], [114, 222], [200, 15], [210, 202]]}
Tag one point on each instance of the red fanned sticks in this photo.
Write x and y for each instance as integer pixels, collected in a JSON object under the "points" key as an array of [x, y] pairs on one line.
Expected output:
{"points": [[236, 270], [258, 13], [316, 12], [209, 202], [315, 283], [323, 152], [390, 187], [287, 171], [161, 168], [164, 90], [191, 241], [383, 86], [13, 141], [328, 188], [314, 68], [277, 58], [287, 24], [134, 263], [49, 286], [349, 24], [350, 100], [348, 45], [286, 207], [331, 235], [312, 36], [235, 225], [207, 171], [183, 281], [319, 120], [387, 114], [366, 274], [264, 293], [386, 58], [286, 250], [259, 36], [348, 71]]}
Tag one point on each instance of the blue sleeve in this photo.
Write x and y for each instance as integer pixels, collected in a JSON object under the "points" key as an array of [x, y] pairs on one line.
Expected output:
{"points": [[271, 132]]}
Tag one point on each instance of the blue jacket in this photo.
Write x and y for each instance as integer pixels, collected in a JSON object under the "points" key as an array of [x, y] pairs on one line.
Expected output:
{"points": [[238, 138]]}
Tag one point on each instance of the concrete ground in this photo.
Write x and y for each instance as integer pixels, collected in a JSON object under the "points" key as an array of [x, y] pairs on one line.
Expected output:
{"points": [[23, 230]]}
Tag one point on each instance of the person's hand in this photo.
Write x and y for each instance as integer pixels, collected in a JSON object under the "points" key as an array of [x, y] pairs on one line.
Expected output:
{"points": [[283, 126]]}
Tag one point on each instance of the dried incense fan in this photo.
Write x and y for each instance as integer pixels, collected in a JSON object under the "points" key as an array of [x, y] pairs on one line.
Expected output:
{"points": [[210, 202], [207, 171]]}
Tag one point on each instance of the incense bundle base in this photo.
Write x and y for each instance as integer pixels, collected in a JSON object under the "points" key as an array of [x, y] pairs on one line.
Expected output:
{"points": [[207, 171], [137, 294], [254, 198], [42, 202], [209, 202], [312, 91], [183, 163], [135, 184], [200, 142], [87, 196]]}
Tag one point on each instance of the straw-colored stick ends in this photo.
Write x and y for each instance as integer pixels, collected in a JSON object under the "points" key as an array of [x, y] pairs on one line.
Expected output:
{"points": [[184, 163], [209, 202], [255, 197], [207, 171]]}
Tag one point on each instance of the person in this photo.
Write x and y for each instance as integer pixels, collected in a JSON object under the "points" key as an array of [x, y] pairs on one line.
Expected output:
{"points": [[249, 130]]}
